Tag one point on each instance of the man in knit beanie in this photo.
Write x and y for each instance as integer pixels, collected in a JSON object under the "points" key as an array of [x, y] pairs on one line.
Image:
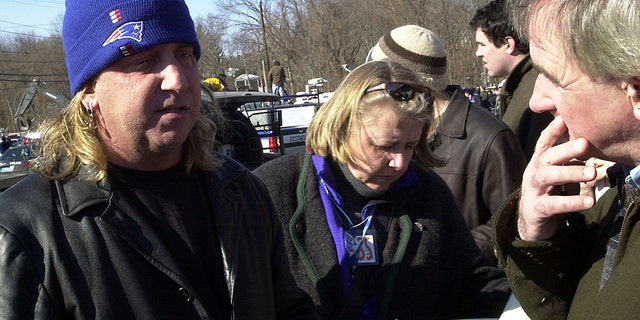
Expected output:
{"points": [[98, 33], [128, 213], [417, 48], [483, 161]]}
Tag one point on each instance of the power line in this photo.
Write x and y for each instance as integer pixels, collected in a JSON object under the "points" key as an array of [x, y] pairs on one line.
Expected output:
{"points": [[24, 34], [23, 12], [25, 25]]}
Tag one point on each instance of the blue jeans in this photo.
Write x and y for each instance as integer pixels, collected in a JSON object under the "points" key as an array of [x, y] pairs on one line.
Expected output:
{"points": [[278, 90]]}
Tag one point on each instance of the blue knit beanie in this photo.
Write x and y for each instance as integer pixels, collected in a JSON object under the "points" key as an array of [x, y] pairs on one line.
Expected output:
{"points": [[97, 33]]}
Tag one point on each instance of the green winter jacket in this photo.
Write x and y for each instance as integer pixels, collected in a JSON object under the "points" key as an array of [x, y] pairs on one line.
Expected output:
{"points": [[560, 278]]}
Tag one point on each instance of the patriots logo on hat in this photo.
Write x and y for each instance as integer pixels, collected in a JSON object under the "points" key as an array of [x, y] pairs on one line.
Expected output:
{"points": [[130, 30]]}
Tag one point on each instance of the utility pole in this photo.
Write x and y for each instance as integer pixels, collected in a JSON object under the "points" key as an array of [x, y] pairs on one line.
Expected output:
{"points": [[266, 50]]}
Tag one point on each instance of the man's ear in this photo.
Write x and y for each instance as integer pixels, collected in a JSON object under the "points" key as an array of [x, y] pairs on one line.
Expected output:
{"points": [[89, 101], [632, 86], [511, 47]]}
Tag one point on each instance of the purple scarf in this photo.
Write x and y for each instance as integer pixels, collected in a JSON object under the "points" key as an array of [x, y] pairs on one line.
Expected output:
{"points": [[327, 187]]}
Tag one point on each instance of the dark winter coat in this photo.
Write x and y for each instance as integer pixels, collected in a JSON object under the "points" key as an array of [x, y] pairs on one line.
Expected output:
{"points": [[440, 273], [79, 250], [514, 101], [560, 278], [483, 163]]}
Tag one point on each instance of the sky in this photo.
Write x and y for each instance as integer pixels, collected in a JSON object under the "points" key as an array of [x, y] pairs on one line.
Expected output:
{"points": [[38, 16]]}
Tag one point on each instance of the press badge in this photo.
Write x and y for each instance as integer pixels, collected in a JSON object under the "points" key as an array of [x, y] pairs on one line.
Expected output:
{"points": [[364, 247]]}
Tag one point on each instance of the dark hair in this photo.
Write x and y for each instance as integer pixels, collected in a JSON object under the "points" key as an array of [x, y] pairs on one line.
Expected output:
{"points": [[493, 20], [276, 63]]}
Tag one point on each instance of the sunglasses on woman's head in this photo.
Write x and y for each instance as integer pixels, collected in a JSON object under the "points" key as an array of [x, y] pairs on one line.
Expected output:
{"points": [[397, 90]]}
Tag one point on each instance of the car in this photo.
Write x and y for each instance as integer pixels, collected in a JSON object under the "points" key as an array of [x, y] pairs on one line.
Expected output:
{"points": [[238, 137], [17, 158], [292, 120]]}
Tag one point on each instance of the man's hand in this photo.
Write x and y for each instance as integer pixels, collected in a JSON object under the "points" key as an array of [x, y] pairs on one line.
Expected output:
{"points": [[552, 166]]}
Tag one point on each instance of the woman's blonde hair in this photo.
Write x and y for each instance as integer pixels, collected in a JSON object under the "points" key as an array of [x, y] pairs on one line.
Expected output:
{"points": [[70, 141], [334, 129]]}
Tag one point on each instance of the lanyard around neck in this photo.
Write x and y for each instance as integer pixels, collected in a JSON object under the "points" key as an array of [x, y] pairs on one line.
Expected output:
{"points": [[351, 242]]}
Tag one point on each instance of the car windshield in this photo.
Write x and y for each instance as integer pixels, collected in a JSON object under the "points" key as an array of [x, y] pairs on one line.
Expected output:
{"points": [[17, 153]]}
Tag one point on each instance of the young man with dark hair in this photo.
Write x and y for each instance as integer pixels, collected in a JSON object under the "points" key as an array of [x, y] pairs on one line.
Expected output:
{"points": [[504, 54]]}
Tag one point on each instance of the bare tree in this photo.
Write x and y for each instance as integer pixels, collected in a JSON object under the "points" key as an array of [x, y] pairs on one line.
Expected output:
{"points": [[312, 38], [210, 31]]}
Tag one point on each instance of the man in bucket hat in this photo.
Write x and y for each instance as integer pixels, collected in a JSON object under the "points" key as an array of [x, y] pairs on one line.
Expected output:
{"points": [[129, 214]]}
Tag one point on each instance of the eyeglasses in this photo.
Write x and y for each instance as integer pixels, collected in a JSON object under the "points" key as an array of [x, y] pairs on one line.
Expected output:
{"points": [[397, 90]]}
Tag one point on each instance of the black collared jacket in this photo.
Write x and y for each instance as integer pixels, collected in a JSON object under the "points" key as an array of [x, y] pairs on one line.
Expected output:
{"points": [[78, 250]]}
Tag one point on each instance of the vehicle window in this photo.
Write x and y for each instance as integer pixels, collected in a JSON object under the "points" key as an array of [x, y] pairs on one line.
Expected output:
{"points": [[255, 105], [17, 154], [9, 155], [26, 154]]}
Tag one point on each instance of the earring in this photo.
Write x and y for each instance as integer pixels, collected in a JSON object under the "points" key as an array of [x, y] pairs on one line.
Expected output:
{"points": [[89, 122], [91, 115]]}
